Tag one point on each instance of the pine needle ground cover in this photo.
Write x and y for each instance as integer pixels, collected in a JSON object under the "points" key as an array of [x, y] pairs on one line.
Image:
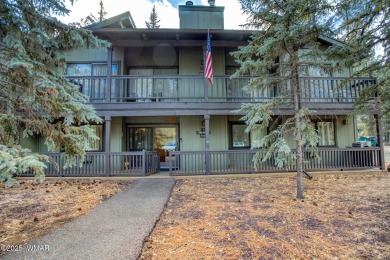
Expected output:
{"points": [[341, 217], [31, 210]]}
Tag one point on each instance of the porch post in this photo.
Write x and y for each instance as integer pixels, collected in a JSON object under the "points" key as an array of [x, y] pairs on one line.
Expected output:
{"points": [[207, 143], [107, 144], [109, 74], [380, 141], [144, 163]]}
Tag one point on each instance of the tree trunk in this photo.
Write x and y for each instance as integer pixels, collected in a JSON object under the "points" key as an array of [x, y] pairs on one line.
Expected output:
{"points": [[298, 132]]}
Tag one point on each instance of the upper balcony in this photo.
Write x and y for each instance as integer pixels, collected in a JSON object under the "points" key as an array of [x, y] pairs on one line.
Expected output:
{"points": [[193, 93]]}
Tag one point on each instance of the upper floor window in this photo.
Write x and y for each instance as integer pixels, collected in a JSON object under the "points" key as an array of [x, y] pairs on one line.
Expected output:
{"points": [[320, 70], [316, 87], [90, 69], [94, 88]]}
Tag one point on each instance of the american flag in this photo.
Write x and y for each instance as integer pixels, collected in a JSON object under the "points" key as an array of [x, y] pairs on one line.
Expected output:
{"points": [[208, 70]]}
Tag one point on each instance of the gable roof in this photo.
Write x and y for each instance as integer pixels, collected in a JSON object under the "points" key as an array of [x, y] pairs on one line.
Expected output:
{"points": [[123, 20], [330, 41]]}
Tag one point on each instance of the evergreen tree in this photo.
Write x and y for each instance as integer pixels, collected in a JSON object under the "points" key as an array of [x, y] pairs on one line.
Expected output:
{"points": [[90, 19], [35, 97], [365, 28], [153, 20], [366, 125], [287, 42], [102, 13]]}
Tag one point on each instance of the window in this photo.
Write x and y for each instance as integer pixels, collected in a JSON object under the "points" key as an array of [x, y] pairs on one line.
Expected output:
{"points": [[94, 88], [151, 88], [239, 138], [96, 145], [90, 69], [326, 133], [314, 88], [257, 133], [320, 70], [79, 70]]}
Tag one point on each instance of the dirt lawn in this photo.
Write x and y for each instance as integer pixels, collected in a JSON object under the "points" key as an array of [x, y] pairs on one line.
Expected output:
{"points": [[341, 217], [31, 210]]}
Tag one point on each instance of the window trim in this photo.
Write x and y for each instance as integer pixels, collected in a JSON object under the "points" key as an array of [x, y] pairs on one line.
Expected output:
{"points": [[317, 67], [102, 139], [231, 147], [334, 131], [92, 63]]}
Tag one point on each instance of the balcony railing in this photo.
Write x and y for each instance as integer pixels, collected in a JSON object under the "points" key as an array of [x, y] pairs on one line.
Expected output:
{"points": [[181, 88]]}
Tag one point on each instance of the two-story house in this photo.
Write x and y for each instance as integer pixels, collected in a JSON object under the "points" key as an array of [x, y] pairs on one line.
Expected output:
{"points": [[160, 113]]}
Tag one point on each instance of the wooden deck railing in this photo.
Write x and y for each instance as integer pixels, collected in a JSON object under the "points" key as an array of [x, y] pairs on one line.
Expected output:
{"points": [[121, 164], [193, 88], [194, 162], [241, 161]]}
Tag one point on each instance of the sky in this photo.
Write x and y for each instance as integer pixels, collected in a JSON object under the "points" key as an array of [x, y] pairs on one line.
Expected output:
{"points": [[167, 11]]}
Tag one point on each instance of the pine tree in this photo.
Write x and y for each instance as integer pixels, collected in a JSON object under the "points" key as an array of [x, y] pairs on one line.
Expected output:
{"points": [[153, 20], [365, 28], [35, 97], [102, 13], [366, 123], [287, 42], [90, 19]]}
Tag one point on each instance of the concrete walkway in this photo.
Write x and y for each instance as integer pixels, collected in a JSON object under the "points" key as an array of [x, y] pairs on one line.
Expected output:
{"points": [[115, 229]]}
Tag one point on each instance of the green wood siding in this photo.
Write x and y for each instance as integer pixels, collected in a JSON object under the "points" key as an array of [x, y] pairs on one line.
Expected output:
{"points": [[35, 143], [116, 134], [229, 60], [193, 142], [345, 132], [31, 142], [93, 55], [201, 20], [219, 133], [163, 55], [190, 141], [190, 61]]}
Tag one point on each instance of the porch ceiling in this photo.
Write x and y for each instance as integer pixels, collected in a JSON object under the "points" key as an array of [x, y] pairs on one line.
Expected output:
{"points": [[182, 37]]}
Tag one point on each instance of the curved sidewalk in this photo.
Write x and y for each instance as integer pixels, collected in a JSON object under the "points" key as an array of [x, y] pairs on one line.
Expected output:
{"points": [[115, 229]]}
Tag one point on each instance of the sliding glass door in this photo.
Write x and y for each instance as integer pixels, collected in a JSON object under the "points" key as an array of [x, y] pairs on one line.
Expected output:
{"points": [[146, 87], [141, 138], [161, 139]]}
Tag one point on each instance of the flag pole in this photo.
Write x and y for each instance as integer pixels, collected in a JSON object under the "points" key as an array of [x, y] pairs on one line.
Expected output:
{"points": [[206, 93], [209, 60], [207, 115]]}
